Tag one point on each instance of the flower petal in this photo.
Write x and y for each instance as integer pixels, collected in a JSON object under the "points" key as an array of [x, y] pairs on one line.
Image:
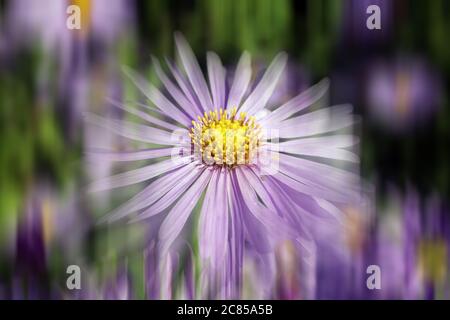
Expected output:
{"points": [[325, 147], [173, 90], [193, 71], [144, 116], [132, 155], [333, 141], [213, 229], [185, 86], [326, 114], [298, 103], [216, 76], [177, 217], [150, 193], [134, 131], [317, 122], [241, 81], [171, 196], [137, 175], [323, 181], [157, 98], [274, 223], [263, 91]]}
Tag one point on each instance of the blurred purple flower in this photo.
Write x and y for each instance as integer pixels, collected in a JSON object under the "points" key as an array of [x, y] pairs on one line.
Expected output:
{"points": [[288, 282], [42, 24], [410, 245], [30, 278], [339, 266], [403, 94], [104, 12], [246, 202], [163, 279], [45, 21], [42, 235], [119, 288]]}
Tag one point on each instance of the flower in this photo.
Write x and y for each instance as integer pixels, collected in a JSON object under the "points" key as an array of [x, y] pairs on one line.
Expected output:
{"points": [[42, 26], [403, 94], [260, 176], [46, 21], [119, 287], [27, 266], [407, 239]]}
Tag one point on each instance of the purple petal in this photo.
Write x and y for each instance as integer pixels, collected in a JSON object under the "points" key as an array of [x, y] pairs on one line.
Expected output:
{"points": [[145, 116], [301, 187], [274, 223], [132, 155], [179, 96], [343, 178], [325, 147], [317, 122], [172, 195], [213, 230], [157, 98], [216, 76], [236, 242], [334, 141], [322, 180], [263, 91], [137, 175], [193, 71], [151, 193], [304, 203], [185, 87], [134, 131], [256, 232], [323, 114], [179, 214], [241, 81], [298, 103], [152, 281], [293, 214], [256, 183]]}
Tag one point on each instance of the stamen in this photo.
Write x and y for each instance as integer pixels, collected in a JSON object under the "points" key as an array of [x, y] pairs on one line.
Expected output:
{"points": [[221, 138]]}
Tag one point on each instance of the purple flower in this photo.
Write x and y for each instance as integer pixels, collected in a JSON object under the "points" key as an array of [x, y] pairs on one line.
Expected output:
{"points": [[260, 176], [30, 277], [45, 20], [411, 246], [119, 287], [403, 94], [42, 24]]}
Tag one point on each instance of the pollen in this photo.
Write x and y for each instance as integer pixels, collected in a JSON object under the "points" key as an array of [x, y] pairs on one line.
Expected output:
{"points": [[224, 138]]}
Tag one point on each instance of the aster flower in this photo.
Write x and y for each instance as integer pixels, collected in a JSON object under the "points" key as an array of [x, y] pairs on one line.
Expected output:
{"points": [[42, 25], [403, 94], [409, 241], [260, 176]]}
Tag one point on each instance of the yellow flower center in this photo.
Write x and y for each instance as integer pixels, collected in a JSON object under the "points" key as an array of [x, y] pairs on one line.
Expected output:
{"points": [[225, 139]]}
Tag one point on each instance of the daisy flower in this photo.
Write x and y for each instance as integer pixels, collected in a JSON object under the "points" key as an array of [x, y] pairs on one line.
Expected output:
{"points": [[260, 174]]}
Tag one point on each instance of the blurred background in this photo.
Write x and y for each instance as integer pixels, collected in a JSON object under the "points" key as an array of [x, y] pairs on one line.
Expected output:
{"points": [[397, 79]]}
